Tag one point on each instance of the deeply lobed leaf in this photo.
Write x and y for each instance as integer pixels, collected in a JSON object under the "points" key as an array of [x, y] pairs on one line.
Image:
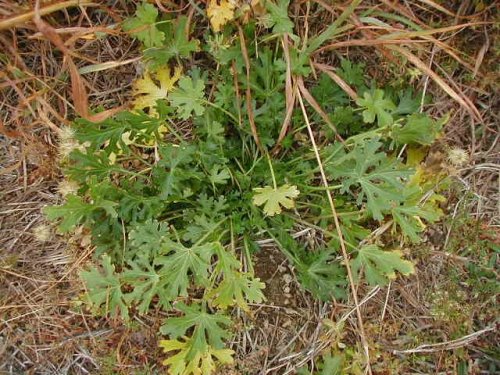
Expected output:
{"points": [[275, 198], [143, 26], [380, 266]]}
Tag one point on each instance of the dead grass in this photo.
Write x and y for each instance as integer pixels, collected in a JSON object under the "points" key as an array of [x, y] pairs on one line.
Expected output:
{"points": [[40, 330], [37, 276], [43, 332]]}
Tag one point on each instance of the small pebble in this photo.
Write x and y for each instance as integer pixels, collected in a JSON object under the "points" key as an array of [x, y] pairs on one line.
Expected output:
{"points": [[287, 278]]}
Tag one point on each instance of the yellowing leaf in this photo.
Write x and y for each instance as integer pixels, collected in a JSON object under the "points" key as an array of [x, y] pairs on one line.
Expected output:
{"points": [[188, 361], [147, 92], [126, 139], [415, 155], [275, 198], [220, 12], [236, 289]]}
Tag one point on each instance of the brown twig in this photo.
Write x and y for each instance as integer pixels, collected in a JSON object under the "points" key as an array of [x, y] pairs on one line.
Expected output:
{"points": [[447, 345], [19, 19], [290, 92], [251, 118]]}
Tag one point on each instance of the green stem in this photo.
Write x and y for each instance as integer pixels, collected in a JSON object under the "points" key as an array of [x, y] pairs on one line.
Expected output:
{"points": [[248, 256], [206, 235], [221, 109], [170, 129], [131, 173], [322, 188], [272, 171]]}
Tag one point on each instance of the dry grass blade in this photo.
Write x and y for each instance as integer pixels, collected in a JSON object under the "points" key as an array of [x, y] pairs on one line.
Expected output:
{"points": [[333, 29], [236, 85], [345, 255], [461, 99], [437, 7], [19, 19], [251, 118], [447, 345], [78, 33], [364, 42], [427, 36], [480, 58], [106, 65], [10, 168], [405, 37], [404, 11], [78, 90], [9, 133], [103, 115], [422, 33], [329, 71], [314, 104], [289, 94], [450, 51]]}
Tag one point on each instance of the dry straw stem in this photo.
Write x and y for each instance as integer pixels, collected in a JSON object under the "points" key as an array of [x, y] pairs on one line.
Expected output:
{"points": [[459, 97], [437, 6], [20, 19], [314, 104], [463, 100], [78, 85], [447, 345], [79, 32], [329, 71], [345, 255], [251, 118], [290, 93], [423, 33], [394, 40], [78, 90], [407, 37]]}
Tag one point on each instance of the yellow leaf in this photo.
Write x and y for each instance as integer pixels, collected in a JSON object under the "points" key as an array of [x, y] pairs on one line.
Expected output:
{"points": [[191, 361], [147, 92], [220, 12], [415, 155], [274, 198]]}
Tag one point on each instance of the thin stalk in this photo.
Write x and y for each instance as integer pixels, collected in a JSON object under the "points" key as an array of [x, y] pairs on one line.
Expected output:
{"points": [[221, 109], [323, 188], [275, 185], [206, 235], [248, 256], [345, 255]]}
